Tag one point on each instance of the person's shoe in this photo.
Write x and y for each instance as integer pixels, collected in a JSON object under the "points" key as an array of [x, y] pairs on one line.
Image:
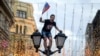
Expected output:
{"points": [[50, 51], [45, 51]]}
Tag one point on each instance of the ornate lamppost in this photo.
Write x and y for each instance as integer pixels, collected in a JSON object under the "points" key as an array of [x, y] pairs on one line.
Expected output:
{"points": [[59, 39]]}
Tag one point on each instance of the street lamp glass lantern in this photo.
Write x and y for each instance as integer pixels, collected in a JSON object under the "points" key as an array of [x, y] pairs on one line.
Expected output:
{"points": [[60, 40], [36, 38]]}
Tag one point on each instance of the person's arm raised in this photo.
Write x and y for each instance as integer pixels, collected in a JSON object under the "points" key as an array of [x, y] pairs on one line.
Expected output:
{"points": [[41, 20]]}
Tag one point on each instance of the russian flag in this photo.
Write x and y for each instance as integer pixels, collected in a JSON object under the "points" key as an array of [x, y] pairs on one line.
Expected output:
{"points": [[46, 7]]}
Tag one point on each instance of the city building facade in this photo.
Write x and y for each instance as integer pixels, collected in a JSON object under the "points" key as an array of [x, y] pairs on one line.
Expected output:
{"points": [[89, 40], [6, 21], [24, 26], [96, 34], [93, 37]]}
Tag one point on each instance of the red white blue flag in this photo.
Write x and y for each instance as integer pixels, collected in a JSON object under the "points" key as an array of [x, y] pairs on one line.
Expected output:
{"points": [[46, 7]]}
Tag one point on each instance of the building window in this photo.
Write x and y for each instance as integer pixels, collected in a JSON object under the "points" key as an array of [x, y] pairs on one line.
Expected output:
{"points": [[20, 29], [16, 28], [9, 2], [2, 21], [21, 14], [25, 28]]}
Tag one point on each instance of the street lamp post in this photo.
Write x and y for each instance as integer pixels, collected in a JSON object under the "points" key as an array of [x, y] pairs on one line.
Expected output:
{"points": [[36, 38], [59, 39]]}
